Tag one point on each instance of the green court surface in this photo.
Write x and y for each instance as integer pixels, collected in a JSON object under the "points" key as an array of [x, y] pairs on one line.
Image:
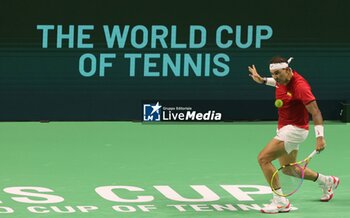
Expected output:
{"points": [[83, 169]]}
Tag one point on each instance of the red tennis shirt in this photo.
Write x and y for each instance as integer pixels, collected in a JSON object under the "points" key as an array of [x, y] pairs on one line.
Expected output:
{"points": [[295, 95]]}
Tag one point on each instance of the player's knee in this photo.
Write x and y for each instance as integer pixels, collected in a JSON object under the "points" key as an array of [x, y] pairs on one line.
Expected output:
{"points": [[263, 159]]}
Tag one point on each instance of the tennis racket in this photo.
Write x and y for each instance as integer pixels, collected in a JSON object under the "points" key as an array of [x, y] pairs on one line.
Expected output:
{"points": [[288, 178]]}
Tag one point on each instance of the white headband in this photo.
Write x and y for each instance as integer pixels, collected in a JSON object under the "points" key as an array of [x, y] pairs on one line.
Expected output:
{"points": [[277, 66]]}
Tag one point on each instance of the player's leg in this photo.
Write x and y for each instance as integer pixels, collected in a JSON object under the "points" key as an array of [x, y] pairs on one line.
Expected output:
{"points": [[327, 183], [282, 145], [310, 174], [272, 151], [285, 148], [287, 158]]}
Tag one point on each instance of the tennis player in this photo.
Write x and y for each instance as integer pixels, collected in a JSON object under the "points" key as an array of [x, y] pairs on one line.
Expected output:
{"points": [[293, 129]]}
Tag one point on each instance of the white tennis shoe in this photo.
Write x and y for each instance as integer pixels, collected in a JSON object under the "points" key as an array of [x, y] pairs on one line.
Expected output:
{"points": [[278, 205], [331, 184]]}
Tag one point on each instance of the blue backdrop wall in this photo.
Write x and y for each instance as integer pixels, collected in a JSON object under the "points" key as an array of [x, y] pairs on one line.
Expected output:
{"points": [[99, 60]]}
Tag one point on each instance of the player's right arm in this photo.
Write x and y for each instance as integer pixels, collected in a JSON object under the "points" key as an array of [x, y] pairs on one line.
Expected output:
{"points": [[315, 112]]}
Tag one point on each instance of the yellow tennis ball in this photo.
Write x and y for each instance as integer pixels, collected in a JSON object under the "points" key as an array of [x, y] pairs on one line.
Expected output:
{"points": [[278, 103]]}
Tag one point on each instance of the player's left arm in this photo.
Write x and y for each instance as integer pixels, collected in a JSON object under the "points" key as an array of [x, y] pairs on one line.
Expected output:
{"points": [[315, 112]]}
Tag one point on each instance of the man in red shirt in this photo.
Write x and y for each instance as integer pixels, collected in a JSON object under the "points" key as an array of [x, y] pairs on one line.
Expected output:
{"points": [[293, 129]]}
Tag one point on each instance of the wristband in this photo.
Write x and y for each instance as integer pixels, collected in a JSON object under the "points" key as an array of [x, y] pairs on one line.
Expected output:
{"points": [[270, 82], [319, 131], [264, 80]]}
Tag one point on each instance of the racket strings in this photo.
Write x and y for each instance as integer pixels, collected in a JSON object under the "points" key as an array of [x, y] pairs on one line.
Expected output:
{"points": [[288, 179], [293, 170]]}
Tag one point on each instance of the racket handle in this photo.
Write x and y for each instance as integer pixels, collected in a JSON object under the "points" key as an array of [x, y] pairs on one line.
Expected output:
{"points": [[312, 154]]}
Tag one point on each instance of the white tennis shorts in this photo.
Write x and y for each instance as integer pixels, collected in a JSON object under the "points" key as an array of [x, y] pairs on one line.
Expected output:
{"points": [[292, 137]]}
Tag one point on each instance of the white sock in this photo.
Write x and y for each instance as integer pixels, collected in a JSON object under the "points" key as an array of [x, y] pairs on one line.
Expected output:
{"points": [[280, 192], [322, 179]]}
